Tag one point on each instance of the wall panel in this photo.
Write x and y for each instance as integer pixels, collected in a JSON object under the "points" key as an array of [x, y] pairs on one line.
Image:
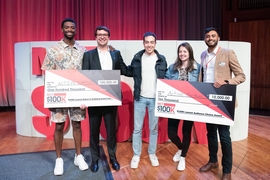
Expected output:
{"points": [[258, 34]]}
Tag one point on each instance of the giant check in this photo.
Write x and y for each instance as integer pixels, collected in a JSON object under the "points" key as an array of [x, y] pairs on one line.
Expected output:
{"points": [[195, 101], [72, 88]]}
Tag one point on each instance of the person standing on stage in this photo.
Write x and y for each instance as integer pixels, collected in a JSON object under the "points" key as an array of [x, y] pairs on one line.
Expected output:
{"points": [[185, 68], [147, 65], [218, 64], [66, 55], [103, 57]]}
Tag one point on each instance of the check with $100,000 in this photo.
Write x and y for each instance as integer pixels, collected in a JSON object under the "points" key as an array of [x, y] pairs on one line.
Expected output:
{"points": [[195, 101], [72, 88]]}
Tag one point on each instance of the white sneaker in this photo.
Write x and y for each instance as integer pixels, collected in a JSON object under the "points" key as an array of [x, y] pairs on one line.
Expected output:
{"points": [[177, 156], [59, 167], [154, 160], [182, 164], [79, 161], [135, 162]]}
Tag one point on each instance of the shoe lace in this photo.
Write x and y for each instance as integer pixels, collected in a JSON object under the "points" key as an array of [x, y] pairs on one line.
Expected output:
{"points": [[59, 162], [134, 159], [153, 157], [80, 158]]}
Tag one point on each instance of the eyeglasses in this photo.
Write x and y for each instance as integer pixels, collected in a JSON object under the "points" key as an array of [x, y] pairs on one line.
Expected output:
{"points": [[104, 35]]}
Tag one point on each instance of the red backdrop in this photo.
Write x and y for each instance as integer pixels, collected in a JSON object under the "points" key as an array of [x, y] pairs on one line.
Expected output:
{"points": [[40, 20]]}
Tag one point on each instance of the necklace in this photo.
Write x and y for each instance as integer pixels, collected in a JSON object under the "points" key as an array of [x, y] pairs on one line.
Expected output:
{"points": [[206, 63]]}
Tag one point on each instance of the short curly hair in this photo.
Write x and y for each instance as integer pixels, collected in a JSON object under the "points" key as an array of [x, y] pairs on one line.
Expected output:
{"points": [[67, 20]]}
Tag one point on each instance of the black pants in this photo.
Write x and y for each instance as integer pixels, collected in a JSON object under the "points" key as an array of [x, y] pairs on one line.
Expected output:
{"points": [[226, 145], [95, 117], [186, 131]]}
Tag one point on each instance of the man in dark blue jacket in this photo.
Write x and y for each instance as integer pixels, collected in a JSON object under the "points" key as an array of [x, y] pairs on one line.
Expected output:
{"points": [[147, 65]]}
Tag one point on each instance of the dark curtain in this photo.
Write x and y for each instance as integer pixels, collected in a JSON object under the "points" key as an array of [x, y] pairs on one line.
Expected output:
{"points": [[40, 20]]}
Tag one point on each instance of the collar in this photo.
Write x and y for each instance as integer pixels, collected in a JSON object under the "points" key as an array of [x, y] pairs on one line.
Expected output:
{"points": [[75, 46], [99, 51], [215, 51]]}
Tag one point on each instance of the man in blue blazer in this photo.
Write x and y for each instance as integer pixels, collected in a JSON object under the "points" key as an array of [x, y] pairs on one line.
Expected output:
{"points": [[103, 58]]}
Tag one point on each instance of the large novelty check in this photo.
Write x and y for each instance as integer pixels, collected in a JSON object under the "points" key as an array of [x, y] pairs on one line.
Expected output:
{"points": [[72, 88], [195, 101]]}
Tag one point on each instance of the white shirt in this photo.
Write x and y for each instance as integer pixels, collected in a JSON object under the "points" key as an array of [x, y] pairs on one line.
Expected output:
{"points": [[149, 76], [105, 60], [209, 66]]}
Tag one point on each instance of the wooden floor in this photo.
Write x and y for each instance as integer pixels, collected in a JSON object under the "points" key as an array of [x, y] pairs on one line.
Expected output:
{"points": [[251, 157]]}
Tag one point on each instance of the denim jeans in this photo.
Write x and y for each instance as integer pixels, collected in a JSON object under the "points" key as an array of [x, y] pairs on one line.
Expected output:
{"points": [[139, 113]]}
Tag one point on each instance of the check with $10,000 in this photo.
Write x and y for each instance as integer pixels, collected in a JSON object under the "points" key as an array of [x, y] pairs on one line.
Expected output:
{"points": [[195, 101]]}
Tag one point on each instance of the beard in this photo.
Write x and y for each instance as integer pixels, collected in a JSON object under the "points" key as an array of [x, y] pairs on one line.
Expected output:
{"points": [[69, 37], [212, 45]]}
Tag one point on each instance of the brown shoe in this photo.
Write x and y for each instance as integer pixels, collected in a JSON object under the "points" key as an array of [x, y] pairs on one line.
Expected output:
{"points": [[208, 167], [226, 176]]}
